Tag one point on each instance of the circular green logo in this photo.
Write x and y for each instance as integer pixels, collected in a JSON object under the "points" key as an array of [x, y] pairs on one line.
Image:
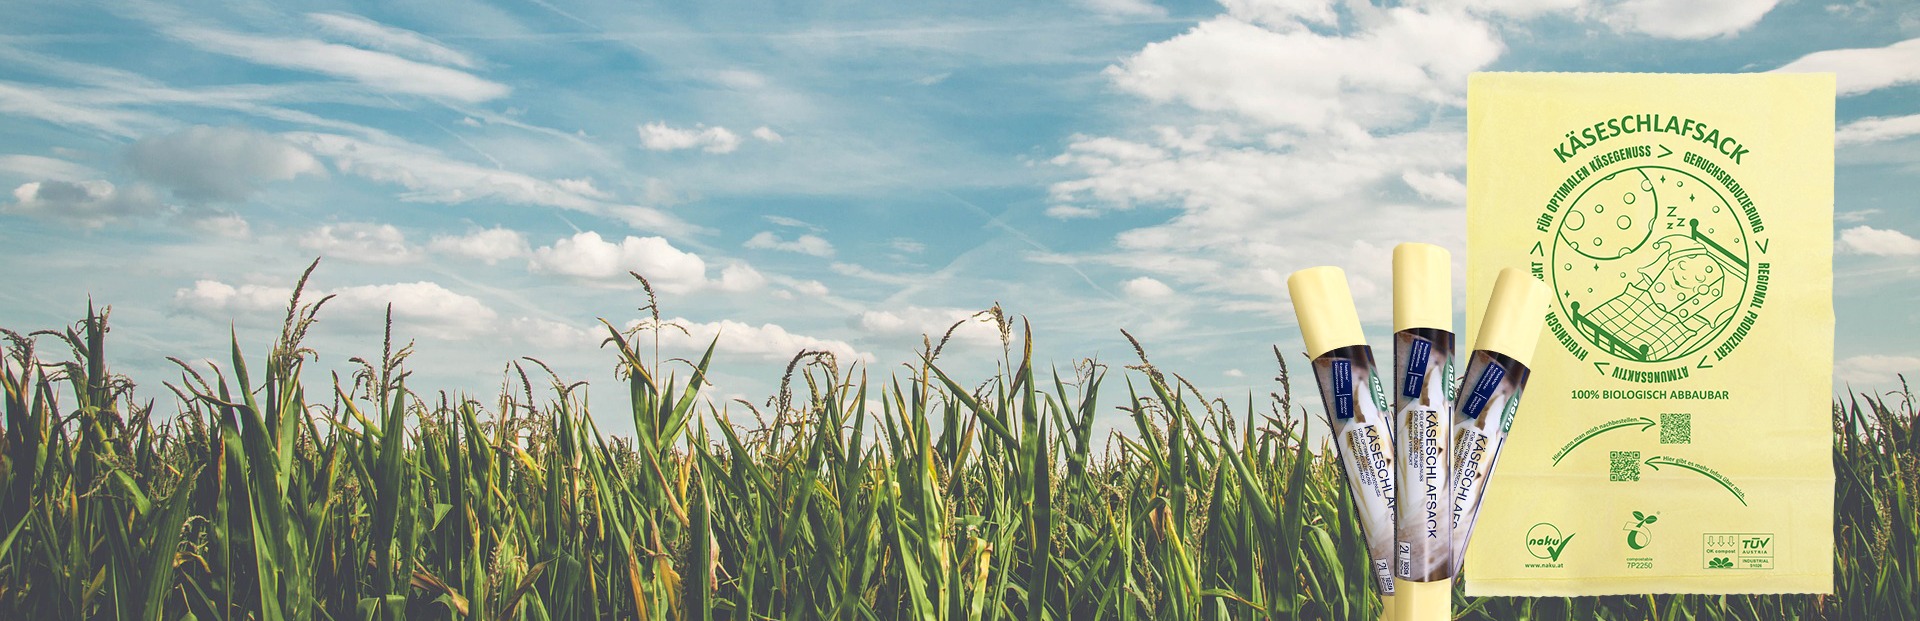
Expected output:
{"points": [[1650, 264], [1545, 542]]}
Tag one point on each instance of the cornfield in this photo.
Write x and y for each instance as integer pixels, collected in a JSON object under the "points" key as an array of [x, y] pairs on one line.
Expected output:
{"points": [[960, 498]]}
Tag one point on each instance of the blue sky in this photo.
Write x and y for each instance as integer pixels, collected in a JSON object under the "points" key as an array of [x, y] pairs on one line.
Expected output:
{"points": [[841, 177]]}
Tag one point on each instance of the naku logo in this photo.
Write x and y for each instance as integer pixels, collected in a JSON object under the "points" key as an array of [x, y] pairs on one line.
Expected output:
{"points": [[1545, 542]]}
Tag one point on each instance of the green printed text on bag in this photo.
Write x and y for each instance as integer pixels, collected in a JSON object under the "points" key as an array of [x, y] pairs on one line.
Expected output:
{"points": [[1675, 435]]}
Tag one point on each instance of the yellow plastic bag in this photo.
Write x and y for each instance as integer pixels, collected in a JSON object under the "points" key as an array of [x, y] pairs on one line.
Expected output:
{"points": [[1675, 435]]}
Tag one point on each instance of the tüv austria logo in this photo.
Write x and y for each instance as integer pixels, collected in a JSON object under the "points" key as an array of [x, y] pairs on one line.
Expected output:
{"points": [[1545, 542]]}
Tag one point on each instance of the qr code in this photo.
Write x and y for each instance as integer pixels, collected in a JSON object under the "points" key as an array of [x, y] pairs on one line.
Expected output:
{"points": [[1676, 428], [1623, 466]]}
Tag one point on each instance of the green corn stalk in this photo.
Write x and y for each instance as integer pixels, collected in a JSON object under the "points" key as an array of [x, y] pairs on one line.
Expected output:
{"points": [[984, 497]]}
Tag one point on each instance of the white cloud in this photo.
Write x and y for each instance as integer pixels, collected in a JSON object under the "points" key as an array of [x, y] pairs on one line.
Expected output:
{"points": [[1875, 371], [553, 335], [1877, 129], [368, 33], [434, 308], [1436, 186], [1146, 288], [739, 79], [432, 177], [1125, 8], [425, 307], [378, 70], [1283, 14], [1508, 8], [1235, 373], [1070, 212], [587, 256], [1299, 79], [886, 322], [62, 107], [859, 271], [202, 163], [811, 288], [489, 246], [766, 341], [658, 193], [805, 244], [212, 297], [916, 321], [360, 242], [909, 246], [738, 277], [1859, 70], [766, 134], [1880, 242], [219, 224], [1298, 140], [582, 186], [1120, 174], [52, 169], [1855, 216], [1686, 19], [90, 204], [792, 222], [661, 137]]}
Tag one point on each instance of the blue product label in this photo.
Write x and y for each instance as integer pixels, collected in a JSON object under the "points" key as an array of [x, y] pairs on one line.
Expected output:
{"points": [[1343, 389], [1483, 389], [1416, 368]]}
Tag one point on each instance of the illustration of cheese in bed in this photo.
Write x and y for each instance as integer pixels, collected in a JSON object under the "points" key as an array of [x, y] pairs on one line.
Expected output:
{"points": [[1650, 263]]}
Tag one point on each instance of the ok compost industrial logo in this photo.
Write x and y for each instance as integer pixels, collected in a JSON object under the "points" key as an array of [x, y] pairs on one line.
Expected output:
{"points": [[1655, 252]]}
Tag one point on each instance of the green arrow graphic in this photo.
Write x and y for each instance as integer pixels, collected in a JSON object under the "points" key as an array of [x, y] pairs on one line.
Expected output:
{"points": [[1643, 422], [1666, 151], [1656, 461]]}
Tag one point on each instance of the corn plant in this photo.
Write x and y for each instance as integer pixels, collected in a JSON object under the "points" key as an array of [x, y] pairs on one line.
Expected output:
{"points": [[923, 495]]}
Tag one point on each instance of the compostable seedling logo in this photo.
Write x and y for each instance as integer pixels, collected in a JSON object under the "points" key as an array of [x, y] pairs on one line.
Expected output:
{"points": [[1639, 536], [1655, 252], [1545, 542]]}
